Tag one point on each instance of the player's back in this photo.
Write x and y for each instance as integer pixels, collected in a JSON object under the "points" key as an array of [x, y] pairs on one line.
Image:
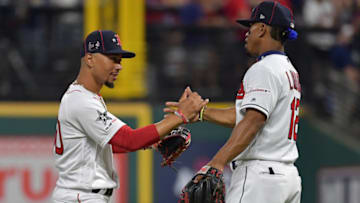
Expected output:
{"points": [[83, 160], [280, 101]]}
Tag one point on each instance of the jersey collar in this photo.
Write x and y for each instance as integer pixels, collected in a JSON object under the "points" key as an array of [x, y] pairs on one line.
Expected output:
{"points": [[263, 55]]}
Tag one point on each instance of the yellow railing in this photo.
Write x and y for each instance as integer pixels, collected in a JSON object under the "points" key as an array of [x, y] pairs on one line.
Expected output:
{"points": [[130, 25]]}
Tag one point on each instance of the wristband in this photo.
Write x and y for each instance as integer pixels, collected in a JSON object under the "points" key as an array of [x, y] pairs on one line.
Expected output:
{"points": [[201, 115], [182, 116]]}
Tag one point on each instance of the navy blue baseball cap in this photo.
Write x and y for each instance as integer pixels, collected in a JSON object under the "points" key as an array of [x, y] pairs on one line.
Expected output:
{"points": [[271, 13], [104, 42]]}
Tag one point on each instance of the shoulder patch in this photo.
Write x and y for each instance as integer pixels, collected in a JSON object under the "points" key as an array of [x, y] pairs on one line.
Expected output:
{"points": [[103, 117], [240, 93]]}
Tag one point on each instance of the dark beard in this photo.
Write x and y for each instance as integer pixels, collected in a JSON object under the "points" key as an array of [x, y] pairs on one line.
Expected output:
{"points": [[109, 84]]}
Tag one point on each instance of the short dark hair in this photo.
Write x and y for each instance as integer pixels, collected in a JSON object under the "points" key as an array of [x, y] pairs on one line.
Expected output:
{"points": [[279, 34]]}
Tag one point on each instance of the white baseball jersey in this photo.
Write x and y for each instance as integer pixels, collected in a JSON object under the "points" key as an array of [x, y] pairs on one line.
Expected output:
{"points": [[83, 156], [272, 87]]}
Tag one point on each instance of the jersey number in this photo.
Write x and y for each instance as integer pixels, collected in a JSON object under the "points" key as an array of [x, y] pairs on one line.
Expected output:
{"points": [[58, 141], [295, 104]]}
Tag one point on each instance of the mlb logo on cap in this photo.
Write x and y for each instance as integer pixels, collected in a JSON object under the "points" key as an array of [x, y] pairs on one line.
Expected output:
{"points": [[271, 13], [104, 42]]}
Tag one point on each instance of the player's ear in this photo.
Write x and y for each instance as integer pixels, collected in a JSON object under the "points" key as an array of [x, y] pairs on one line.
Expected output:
{"points": [[262, 30], [89, 59]]}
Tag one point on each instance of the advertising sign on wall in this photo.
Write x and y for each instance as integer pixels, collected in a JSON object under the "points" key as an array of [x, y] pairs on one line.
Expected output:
{"points": [[27, 171], [28, 174]]}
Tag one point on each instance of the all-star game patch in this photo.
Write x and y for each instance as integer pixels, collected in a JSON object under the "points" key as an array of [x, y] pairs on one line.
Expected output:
{"points": [[103, 117]]}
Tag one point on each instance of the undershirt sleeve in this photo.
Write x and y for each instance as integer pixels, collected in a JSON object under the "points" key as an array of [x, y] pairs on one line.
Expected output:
{"points": [[127, 139]]}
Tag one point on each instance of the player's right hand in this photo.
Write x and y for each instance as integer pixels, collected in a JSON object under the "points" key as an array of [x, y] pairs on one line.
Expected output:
{"points": [[190, 103]]}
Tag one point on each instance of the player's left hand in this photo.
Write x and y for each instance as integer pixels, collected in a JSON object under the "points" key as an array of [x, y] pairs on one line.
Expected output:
{"points": [[207, 186], [173, 145], [210, 164]]}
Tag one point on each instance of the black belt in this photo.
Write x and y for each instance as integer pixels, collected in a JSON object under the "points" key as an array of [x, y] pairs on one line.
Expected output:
{"points": [[234, 165], [106, 192]]}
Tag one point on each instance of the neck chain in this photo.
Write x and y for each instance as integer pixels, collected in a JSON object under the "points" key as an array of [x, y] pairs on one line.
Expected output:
{"points": [[76, 83], [102, 102]]}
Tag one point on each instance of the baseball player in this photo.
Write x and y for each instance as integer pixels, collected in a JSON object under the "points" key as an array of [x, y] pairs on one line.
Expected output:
{"points": [[262, 148], [87, 134]]}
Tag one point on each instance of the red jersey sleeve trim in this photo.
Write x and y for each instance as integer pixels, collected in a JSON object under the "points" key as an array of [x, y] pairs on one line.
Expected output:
{"points": [[127, 139]]}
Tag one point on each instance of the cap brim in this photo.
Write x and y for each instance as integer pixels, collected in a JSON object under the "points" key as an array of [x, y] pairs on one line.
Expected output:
{"points": [[245, 23], [124, 54]]}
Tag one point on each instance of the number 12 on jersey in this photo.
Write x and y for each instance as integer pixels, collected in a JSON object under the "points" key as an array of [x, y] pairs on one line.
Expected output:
{"points": [[295, 104]]}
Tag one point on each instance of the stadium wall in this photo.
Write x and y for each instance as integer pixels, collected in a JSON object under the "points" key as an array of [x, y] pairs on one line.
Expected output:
{"points": [[329, 170]]}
